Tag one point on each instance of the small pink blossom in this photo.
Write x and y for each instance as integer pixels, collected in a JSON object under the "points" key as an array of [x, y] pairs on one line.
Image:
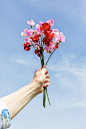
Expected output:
{"points": [[29, 33], [38, 31], [49, 48], [55, 31], [50, 22], [41, 23], [31, 22], [62, 37], [36, 45], [59, 38], [56, 39], [23, 34], [27, 40], [37, 26]]}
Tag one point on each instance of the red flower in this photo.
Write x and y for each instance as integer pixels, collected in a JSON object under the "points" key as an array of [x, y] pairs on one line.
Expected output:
{"points": [[48, 38], [56, 46], [38, 52], [47, 32], [35, 38], [45, 26], [27, 46], [41, 48], [46, 41]]}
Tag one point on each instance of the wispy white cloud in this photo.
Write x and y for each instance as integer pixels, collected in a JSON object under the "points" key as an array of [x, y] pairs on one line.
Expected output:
{"points": [[70, 76], [17, 58], [73, 10]]}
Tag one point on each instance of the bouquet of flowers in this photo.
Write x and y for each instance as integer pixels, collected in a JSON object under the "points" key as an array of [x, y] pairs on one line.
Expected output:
{"points": [[42, 39]]}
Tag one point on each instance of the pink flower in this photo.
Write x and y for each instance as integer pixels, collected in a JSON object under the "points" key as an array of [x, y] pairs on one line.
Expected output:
{"points": [[36, 45], [55, 31], [37, 26], [49, 48], [38, 31], [27, 40], [56, 39], [29, 33], [59, 38], [62, 37], [41, 23], [31, 22], [23, 34], [50, 22]]}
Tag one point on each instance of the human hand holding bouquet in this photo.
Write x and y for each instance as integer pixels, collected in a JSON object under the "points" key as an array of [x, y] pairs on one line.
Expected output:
{"points": [[42, 39], [41, 79]]}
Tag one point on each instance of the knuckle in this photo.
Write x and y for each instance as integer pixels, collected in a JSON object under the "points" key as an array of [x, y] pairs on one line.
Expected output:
{"points": [[47, 80]]}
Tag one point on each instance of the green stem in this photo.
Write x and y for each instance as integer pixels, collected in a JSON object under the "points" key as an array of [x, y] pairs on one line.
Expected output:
{"points": [[44, 97], [50, 56], [48, 96], [45, 89], [44, 93]]}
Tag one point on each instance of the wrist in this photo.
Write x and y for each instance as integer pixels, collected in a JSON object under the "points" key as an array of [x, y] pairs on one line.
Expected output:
{"points": [[38, 86], [33, 86]]}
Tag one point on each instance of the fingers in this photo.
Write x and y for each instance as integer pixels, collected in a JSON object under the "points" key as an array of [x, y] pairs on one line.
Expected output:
{"points": [[38, 70], [47, 76], [44, 69], [46, 84], [47, 80]]}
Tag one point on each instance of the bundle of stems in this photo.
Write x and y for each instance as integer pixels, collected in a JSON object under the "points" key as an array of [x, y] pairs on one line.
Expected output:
{"points": [[45, 92]]}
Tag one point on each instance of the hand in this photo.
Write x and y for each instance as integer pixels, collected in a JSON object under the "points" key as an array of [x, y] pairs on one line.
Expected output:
{"points": [[41, 77]]}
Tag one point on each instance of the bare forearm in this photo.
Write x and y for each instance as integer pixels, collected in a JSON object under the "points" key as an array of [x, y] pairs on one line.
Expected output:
{"points": [[18, 100]]}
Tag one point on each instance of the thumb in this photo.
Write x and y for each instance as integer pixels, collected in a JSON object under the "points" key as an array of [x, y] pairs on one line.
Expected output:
{"points": [[44, 70], [44, 66]]}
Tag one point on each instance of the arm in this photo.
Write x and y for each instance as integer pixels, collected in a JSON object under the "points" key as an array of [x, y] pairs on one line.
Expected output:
{"points": [[18, 100]]}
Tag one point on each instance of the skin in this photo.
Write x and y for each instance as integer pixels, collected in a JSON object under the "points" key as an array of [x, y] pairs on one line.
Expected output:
{"points": [[16, 101]]}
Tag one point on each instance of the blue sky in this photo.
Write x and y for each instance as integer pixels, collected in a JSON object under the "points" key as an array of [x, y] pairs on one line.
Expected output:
{"points": [[67, 66]]}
